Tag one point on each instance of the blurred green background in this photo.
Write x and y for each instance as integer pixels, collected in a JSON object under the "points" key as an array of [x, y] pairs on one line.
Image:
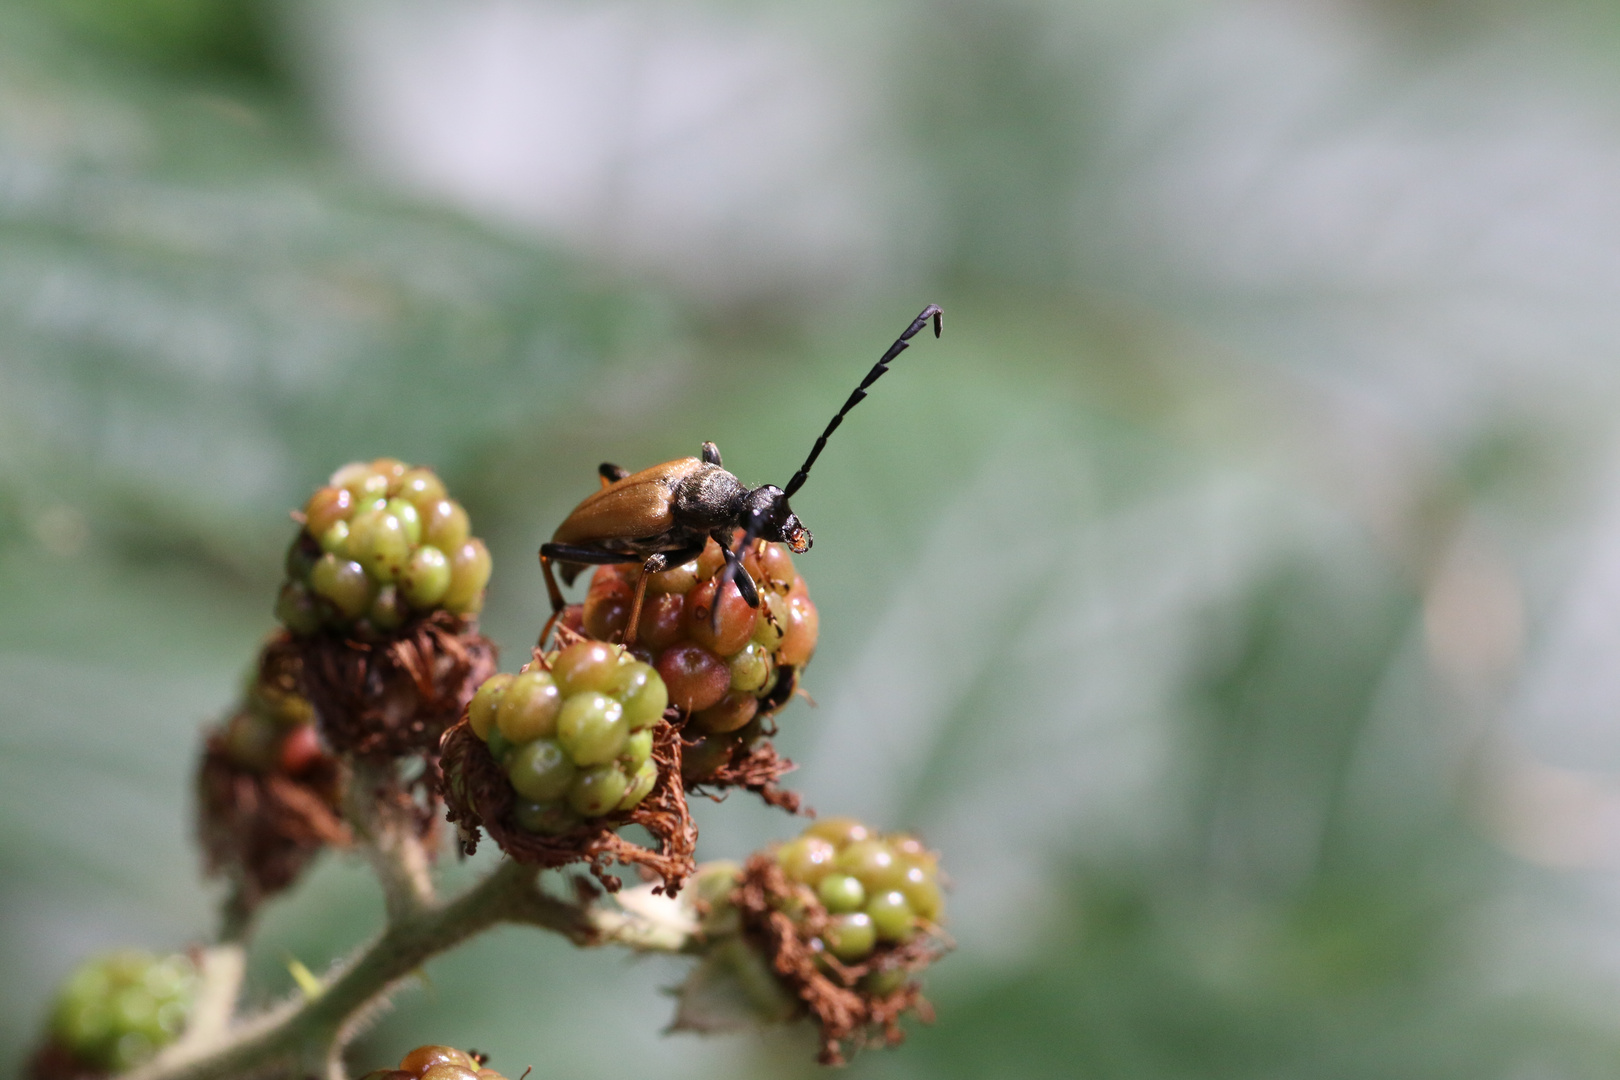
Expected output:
{"points": [[1232, 594]]}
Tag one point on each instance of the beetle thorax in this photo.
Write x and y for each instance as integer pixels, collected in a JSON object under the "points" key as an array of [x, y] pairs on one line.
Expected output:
{"points": [[709, 499]]}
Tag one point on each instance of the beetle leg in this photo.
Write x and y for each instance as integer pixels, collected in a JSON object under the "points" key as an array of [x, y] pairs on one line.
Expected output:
{"points": [[635, 605], [578, 554], [557, 601], [656, 562], [610, 472], [711, 453], [735, 571]]}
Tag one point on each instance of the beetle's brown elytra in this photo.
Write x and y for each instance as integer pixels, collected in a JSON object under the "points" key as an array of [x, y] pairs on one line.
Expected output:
{"points": [[663, 516]]}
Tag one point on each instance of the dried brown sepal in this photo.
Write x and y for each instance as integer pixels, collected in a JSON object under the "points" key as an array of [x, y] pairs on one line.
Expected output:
{"points": [[830, 990], [757, 768], [261, 830], [56, 1062], [478, 796], [395, 695]]}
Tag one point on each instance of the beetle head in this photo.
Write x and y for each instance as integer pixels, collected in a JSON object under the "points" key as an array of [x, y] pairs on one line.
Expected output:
{"points": [[770, 517]]}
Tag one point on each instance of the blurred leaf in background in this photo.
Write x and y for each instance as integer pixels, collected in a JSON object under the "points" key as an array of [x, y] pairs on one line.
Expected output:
{"points": [[1230, 594]]}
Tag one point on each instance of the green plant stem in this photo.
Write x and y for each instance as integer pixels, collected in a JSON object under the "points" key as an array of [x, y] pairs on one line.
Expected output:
{"points": [[305, 1037], [385, 823]]}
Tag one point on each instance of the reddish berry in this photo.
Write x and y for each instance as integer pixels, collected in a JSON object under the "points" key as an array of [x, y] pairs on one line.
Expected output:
{"points": [[607, 607], [736, 618], [300, 750], [662, 621], [326, 508], [803, 627], [728, 714], [694, 676]]}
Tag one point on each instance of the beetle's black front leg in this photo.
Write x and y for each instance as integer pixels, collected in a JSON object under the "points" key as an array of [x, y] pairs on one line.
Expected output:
{"points": [[611, 473], [736, 571]]}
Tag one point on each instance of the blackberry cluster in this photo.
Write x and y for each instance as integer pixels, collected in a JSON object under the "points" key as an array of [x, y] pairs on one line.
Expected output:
{"points": [[437, 1063], [115, 1011], [574, 736], [268, 791], [274, 729], [729, 676], [877, 890], [846, 919], [381, 544]]}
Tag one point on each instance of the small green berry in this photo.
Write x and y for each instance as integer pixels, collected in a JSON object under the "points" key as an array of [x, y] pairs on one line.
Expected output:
{"points": [[841, 893], [391, 470], [388, 611], [892, 916], [592, 728], [529, 706], [643, 693], [336, 539], [469, 573], [296, 610], [750, 668], [771, 624], [445, 525], [586, 666], [807, 859], [409, 518], [421, 486], [427, 577], [637, 748], [541, 770], [598, 790], [642, 782], [377, 541], [481, 711], [342, 582], [873, 862], [839, 831], [924, 898], [851, 937]]}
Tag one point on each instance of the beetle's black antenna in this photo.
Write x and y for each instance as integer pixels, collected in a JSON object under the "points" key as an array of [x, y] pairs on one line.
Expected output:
{"points": [[901, 344]]}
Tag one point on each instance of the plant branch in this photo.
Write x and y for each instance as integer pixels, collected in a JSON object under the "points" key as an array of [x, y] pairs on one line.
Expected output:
{"points": [[302, 1037], [384, 819]]}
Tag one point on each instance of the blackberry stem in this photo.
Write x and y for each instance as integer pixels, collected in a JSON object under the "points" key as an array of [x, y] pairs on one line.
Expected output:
{"points": [[384, 820], [306, 1036]]}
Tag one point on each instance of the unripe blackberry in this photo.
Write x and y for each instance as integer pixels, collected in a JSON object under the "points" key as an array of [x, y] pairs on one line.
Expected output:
{"points": [[554, 759], [567, 730], [268, 791], [380, 524], [115, 1011], [846, 918], [891, 881], [383, 582], [723, 675]]}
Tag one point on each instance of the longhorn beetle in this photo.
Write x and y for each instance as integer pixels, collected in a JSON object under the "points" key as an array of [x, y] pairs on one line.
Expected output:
{"points": [[663, 516]]}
